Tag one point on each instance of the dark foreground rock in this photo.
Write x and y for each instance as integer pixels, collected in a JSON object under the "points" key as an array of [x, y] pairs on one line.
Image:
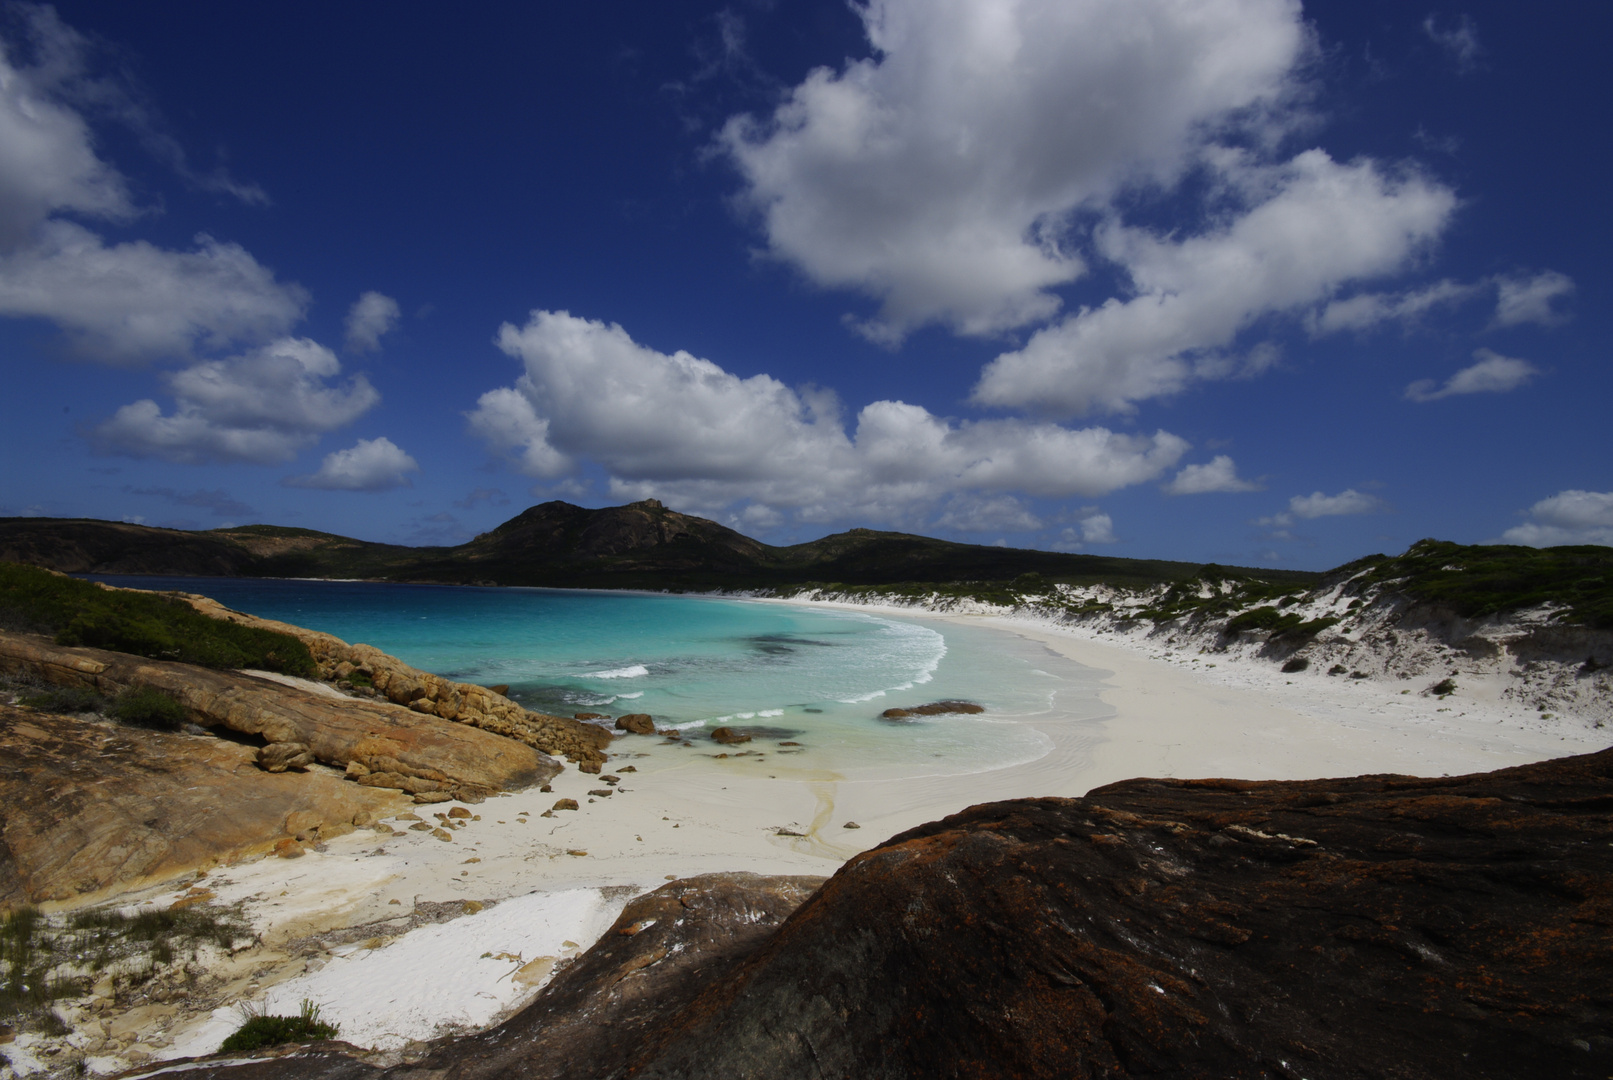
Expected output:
{"points": [[1379, 926]]}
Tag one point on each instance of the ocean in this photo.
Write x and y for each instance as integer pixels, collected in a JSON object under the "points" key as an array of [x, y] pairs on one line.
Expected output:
{"points": [[808, 674]]}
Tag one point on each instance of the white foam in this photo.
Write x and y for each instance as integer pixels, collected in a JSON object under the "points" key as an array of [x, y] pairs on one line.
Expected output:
{"points": [[636, 671], [771, 712]]}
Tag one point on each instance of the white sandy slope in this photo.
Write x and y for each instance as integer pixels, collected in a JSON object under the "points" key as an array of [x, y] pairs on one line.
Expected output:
{"points": [[681, 812]]}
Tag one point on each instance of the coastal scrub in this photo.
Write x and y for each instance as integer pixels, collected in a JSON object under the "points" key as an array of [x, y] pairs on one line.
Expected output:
{"points": [[152, 625]]}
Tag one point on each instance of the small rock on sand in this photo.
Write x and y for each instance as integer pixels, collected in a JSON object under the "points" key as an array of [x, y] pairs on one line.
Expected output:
{"points": [[565, 804], [636, 723], [728, 736]]}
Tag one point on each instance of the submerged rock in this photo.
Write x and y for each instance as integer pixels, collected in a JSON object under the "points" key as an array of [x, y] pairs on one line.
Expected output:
{"points": [[934, 708]]}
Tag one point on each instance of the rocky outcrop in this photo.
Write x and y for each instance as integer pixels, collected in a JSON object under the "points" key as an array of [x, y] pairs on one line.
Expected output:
{"points": [[666, 946], [636, 723], [419, 751], [88, 809], [1375, 926], [389, 679]]}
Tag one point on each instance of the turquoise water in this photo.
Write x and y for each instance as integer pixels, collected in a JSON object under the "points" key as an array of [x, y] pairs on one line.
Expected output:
{"points": [[785, 672]]}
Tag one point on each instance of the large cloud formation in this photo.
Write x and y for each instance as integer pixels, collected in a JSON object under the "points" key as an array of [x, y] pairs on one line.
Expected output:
{"points": [[116, 302], [1314, 224], [135, 302], [942, 174], [262, 406], [678, 427], [367, 465], [991, 153]]}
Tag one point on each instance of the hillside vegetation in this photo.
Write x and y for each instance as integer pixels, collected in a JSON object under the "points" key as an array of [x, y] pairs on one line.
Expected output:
{"points": [[646, 546], [639, 546], [77, 612]]}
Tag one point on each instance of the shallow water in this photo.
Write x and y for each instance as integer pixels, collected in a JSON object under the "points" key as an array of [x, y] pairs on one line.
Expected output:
{"points": [[785, 673]]}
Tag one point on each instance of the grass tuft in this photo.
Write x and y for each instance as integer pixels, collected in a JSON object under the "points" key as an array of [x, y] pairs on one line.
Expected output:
{"points": [[260, 1030]]}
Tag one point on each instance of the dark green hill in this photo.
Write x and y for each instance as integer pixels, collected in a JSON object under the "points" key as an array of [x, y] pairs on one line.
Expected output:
{"points": [[639, 546]]}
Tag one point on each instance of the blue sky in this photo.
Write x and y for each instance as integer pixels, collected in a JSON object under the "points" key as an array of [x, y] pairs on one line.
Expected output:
{"points": [[1237, 280]]}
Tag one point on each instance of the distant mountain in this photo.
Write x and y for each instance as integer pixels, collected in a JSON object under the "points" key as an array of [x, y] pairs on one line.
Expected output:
{"points": [[639, 546]]}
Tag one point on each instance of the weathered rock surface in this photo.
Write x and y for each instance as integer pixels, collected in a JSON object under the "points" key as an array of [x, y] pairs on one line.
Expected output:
{"points": [[419, 751], [89, 808], [1378, 926], [423, 692], [1369, 927], [727, 736]]}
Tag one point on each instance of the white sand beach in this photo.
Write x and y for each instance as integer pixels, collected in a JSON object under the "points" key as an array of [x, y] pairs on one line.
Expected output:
{"points": [[558, 881]]}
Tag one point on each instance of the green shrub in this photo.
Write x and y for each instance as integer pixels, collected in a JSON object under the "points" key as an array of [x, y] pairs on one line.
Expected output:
{"points": [[1031, 582], [1492, 579], [1262, 618], [148, 707], [259, 1030], [66, 699], [145, 624]]}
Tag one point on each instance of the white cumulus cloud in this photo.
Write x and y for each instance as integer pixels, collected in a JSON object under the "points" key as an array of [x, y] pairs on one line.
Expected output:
{"points": [[371, 316], [47, 161], [1219, 474], [116, 302], [987, 513], [1315, 225], [136, 301], [262, 406], [1568, 517], [1532, 299], [681, 428], [1493, 374], [1518, 299], [1318, 504], [1364, 311], [368, 465], [941, 175]]}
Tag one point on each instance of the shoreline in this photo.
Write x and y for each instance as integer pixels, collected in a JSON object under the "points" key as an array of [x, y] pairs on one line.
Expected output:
{"points": [[681, 811]]}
